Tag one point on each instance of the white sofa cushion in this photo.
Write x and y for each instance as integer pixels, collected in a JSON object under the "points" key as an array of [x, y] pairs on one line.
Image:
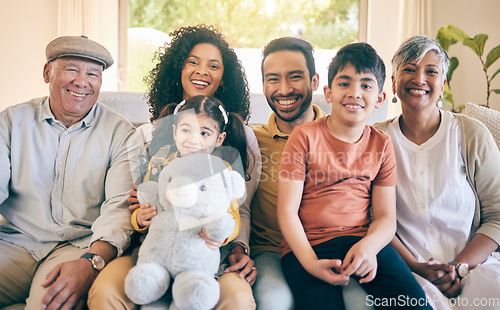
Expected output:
{"points": [[132, 105], [489, 117]]}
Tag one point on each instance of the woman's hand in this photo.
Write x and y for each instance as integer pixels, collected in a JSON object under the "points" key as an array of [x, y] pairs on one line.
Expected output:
{"points": [[443, 276], [454, 290], [133, 202], [239, 261], [145, 214]]}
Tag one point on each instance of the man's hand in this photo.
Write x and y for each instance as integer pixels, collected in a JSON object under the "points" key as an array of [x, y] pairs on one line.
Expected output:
{"points": [[239, 261], [68, 285]]}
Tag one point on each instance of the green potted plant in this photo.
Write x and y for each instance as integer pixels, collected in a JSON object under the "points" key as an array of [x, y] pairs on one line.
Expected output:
{"points": [[449, 35]]}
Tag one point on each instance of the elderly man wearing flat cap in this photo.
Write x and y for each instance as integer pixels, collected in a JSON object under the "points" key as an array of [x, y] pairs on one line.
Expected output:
{"points": [[67, 164]]}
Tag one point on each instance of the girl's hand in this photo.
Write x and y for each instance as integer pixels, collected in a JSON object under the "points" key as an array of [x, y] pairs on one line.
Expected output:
{"points": [[211, 243], [133, 202], [328, 270], [145, 214], [360, 261]]}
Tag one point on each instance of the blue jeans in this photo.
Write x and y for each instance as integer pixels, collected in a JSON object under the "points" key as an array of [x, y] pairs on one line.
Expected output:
{"points": [[394, 286], [271, 292]]}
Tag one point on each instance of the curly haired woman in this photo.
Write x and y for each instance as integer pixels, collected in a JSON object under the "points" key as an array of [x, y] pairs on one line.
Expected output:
{"points": [[166, 84], [197, 61]]}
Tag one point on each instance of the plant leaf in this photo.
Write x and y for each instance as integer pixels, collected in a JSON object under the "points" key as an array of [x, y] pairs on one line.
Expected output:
{"points": [[447, 99], [493, 55], [496, 91], [449, 35], [493, 76], [477, 44], [451, 69]]}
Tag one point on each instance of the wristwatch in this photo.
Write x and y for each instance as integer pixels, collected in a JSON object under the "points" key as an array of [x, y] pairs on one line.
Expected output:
{"points": [[245, 249], [462, 268], [97, 262]]}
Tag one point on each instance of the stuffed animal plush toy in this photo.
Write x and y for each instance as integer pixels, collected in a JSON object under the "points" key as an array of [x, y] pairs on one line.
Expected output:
{"points": [[193, 192]]}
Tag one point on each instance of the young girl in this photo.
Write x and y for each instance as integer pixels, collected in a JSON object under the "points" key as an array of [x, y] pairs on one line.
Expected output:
{"points": [[200, 124]]}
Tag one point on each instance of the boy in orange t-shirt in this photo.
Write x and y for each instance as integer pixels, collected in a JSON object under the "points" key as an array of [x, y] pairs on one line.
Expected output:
{"points": [[336, 196]]}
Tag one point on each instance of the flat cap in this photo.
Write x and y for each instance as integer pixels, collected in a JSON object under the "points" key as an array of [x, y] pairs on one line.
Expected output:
{"points": [[78, 46]]}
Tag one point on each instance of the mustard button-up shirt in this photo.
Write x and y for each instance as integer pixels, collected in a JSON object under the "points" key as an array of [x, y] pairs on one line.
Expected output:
{"points": [[266, 235]]}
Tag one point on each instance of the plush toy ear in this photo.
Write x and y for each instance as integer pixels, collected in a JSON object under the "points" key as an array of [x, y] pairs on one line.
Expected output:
{"points": [[147, 192], [238, 183]]}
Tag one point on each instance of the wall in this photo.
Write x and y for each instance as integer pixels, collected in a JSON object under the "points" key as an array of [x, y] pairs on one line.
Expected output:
{"points": [[382, 25], [26, 26], [474, 17]]}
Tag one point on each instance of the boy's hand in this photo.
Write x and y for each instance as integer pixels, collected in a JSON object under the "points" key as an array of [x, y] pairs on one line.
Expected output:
{"points": [[328, 270], [360, 261], [145, 214]]}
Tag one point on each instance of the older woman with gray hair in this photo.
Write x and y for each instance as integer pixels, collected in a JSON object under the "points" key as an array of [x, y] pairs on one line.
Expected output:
{"points": [[448, 193]]}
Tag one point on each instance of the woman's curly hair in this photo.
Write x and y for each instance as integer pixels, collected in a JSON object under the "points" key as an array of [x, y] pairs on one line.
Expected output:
{"points": [[164, 80]]}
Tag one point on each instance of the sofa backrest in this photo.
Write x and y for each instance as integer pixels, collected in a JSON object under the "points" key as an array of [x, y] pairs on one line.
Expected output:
{"points": [[132, 105]]}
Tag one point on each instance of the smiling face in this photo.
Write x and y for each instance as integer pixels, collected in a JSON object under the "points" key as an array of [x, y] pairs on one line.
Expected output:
{"points": [[287, 85], [419, 84], [202, 71], [353, 96], [197, 133], [74, 85]]}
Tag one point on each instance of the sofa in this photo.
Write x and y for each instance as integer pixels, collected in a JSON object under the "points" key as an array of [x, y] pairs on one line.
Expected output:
{"points": [[134, 106]]}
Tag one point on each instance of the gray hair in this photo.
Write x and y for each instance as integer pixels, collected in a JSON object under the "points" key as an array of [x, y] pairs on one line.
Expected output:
{"points": [[415, 48]]}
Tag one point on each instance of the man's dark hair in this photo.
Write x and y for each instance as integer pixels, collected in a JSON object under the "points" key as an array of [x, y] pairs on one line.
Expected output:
{"points": [[290, 44], [363, 57]]}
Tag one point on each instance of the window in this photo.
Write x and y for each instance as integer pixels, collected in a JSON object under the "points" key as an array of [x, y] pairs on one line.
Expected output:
{"points": [[247, 25]]}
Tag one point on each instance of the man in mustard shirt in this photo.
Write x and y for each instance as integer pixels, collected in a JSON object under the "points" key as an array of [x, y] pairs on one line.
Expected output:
{"points": [[289, 78]]}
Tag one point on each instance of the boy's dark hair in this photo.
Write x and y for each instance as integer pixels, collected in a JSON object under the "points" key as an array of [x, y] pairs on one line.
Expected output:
{"points": [[290, 44], [363, 57]]}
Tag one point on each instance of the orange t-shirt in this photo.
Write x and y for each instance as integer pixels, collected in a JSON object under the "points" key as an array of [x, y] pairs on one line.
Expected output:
{"points": [[338, 177]]}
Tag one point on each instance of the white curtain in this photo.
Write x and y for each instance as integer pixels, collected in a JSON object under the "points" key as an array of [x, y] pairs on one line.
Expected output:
{"points": [[415, 18], [78, 17], [98, 20]]}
